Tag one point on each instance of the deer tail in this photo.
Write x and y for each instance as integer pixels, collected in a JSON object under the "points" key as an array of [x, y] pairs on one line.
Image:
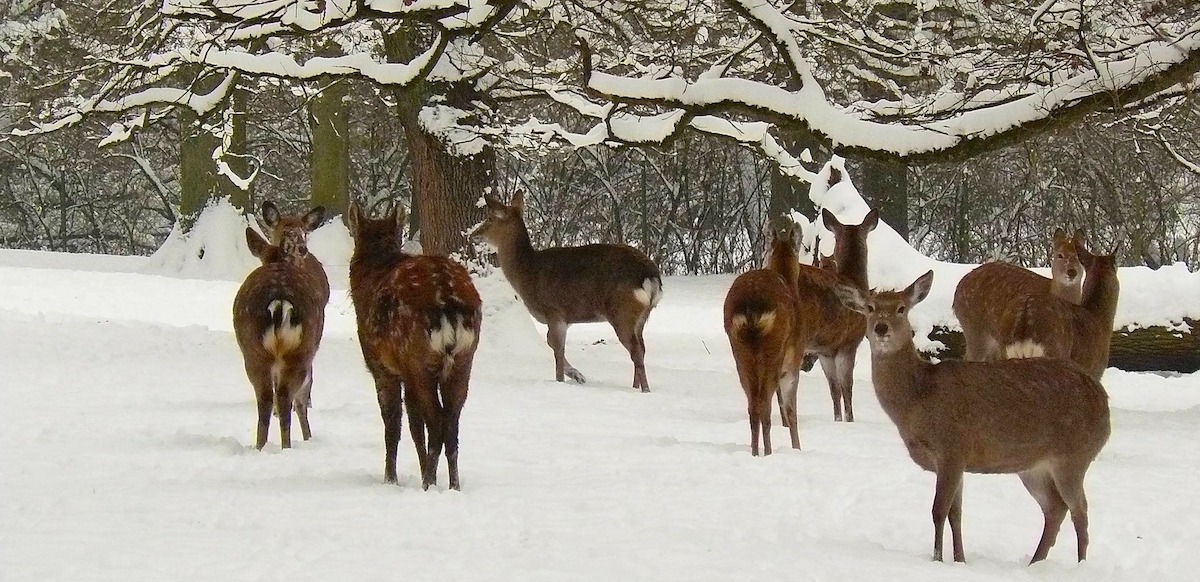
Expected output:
{"points": [[285, 330], [454, 330], [650, 293], [1022, 343]]}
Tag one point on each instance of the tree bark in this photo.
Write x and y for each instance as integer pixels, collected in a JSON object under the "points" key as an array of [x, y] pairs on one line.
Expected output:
{"points": [[1153, 348], [446, 183], [199, 181], [885, 184], [330, 163]]}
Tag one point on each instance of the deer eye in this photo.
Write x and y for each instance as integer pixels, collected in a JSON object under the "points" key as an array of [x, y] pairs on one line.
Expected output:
{"points": [[900, 309], [1059, 255], [870, 308]]}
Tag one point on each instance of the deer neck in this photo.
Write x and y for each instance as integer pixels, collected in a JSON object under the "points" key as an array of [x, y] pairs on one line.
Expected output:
{"points": [[898, 378], [1100, 297], [852, 263], [515, 254], [1069, 292]]}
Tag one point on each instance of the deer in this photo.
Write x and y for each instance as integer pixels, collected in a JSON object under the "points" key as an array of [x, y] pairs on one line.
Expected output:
{"points": [[418, 320], [759, 316], [1052, 327], [564, 285], [278, 318], [297, 226], [1043, 419], [985, 300], [825, 327]]}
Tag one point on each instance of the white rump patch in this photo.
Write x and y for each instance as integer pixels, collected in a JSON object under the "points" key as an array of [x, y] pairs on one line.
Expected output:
{"points": [[286, 337], [1024, 349], [766, 321], [451, 338], [650, 293]]}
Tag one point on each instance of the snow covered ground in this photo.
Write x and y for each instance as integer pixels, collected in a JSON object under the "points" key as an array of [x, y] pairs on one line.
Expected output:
{"points": [[127, 424]]}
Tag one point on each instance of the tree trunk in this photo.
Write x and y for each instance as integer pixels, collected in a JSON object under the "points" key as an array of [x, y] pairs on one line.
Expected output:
{"points": [[330, 157], [885, 186], [1153, 348], [198, 179], [446, 184]]}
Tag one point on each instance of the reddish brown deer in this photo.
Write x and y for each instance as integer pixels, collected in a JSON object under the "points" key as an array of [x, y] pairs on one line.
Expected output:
{"points": [[985, 299], [1048, 326], [296, 227], [278, 315], [1043, 419], [418, 326], [564, 285], [760, 314], [825, 327]]}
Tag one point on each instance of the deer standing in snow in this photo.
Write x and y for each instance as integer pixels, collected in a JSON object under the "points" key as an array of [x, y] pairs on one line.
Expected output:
{"points": [[987, 300], [418, 327], [1048, 326], [760, 320], [278, 316], [565, 285], [1043, 419]]}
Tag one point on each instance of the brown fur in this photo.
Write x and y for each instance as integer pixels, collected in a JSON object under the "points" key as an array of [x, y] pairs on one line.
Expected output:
{"points": [[990, 297], [418, 325], [1059, 329], [565, 285], [278, 317], [760, 312], [825, 327], [1045, 420]]}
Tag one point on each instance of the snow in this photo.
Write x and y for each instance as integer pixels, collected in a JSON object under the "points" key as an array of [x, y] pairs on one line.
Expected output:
{"points": [[129, 430]]}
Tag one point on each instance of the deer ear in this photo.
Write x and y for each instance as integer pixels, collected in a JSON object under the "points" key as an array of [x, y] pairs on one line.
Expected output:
{"points": [[1060, 235], [259, 247], [518, 200], [919, 290], [269, 214], [852, 297], [314, 218], [871, 220], [831, 221], [353, 217]]}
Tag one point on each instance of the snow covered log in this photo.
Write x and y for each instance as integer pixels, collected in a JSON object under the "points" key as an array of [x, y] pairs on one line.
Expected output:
{"points": [[1155, 348]]}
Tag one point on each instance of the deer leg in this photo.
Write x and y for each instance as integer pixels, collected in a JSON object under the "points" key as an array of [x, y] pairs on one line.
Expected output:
{"points": [[755, 427], [303, 402], [948, 487], [283, 405], [764, 414], [262, 394], [956, 525], [423, 400], [556, 336], [1054, 509], [844, 363], [1069, 484], [829, 367], [628, 332], [454, 396], [789, 388], [391, 409]]}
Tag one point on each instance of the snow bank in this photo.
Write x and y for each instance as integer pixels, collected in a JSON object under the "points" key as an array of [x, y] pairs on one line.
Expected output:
{"points": [[1148, 297], [215, 247]]}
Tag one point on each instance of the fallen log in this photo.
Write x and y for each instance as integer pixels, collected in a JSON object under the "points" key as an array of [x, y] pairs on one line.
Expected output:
{"points": [[1155, 348]]}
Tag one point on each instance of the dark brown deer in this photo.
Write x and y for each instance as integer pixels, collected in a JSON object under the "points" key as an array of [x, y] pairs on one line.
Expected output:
{"points": [[1051, 327], [760, 319], [825, 327], [278, 315], [564, 285], [281, 227], [1043, 419], [418, 326], [985, 300]]}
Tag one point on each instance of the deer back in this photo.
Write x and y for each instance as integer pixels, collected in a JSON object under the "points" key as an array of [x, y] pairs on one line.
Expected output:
{"points": [[413, 312], [279, 291], [825, 324]]}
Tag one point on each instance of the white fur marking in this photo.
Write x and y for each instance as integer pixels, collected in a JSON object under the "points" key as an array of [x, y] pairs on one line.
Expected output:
{"points": [[285, 338], [649, 293], [1024, 349]]}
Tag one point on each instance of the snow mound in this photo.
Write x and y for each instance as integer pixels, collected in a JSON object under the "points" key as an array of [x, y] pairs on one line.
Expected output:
{"points": [[333, 245], [214, 249]]}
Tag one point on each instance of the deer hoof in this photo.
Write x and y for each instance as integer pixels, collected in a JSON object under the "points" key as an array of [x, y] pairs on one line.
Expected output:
{"points": [[574, 374]]}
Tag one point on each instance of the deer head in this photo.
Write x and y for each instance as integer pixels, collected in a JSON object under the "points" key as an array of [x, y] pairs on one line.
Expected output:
{"points": [[888, 328], [503, 220], [1065, 263]]}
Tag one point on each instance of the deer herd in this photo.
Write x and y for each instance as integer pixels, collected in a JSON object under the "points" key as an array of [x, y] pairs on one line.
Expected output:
{"points": [[1026, 399]]}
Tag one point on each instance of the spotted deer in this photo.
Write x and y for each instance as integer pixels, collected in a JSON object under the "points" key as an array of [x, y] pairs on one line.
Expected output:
{"points": [[564, 285], [825, 327], [278, 317], [1038, 418], [280, 227], [1048, 326], [760, 319], [418, 326], [985, 300]]}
